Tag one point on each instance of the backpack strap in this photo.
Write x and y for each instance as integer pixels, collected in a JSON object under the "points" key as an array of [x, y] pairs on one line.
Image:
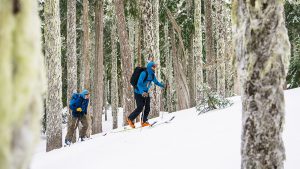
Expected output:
{"points": [[146, 75]]}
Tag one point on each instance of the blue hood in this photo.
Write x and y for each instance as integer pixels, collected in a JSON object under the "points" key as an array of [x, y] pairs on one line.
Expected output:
{"points": [[149, 67], [84, 92]]}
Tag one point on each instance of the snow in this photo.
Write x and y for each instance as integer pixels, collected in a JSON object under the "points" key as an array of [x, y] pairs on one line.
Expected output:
{"points": [[208, 141]]}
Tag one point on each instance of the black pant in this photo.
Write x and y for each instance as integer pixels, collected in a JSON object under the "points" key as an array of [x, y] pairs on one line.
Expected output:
{"points": [[141, 102]]}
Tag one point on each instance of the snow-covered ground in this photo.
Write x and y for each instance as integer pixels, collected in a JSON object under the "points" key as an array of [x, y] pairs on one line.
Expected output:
{"points": [[208, 141]]}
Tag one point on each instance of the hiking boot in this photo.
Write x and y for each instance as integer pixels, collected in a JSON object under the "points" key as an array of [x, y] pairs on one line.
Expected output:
{"points": [[67, 142], [145, 124], [130, 122], [83, 138]]}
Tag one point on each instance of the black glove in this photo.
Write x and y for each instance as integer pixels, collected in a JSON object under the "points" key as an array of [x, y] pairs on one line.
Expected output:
{"points": [[145, 94]]}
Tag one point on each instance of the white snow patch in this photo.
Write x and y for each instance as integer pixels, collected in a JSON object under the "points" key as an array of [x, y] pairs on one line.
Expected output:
{"points": [[208, 141]]}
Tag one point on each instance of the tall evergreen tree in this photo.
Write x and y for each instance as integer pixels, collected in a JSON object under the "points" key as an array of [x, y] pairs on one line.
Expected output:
{"points": [[114, 74], [198, 50], [209, 46], [127, 67], [71, 51], [21, 70], [99, 69], [219, 5], [85, 47], [54, 71], [262, 49]]}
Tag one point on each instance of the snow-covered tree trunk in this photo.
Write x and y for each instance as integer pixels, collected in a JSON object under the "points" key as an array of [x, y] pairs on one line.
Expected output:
{"points": [[262, 50], [114, 74], [209, 46], [85, 47], [54, 72], [198, 50], [71, 53], [220, 48], [99, 69], [126, 59], [21, 70]]}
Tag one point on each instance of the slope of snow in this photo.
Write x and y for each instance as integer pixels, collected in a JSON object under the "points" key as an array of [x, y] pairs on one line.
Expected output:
{"points": [[208, 141]]}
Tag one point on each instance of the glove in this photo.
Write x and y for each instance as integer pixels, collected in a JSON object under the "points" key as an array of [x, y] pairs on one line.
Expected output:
{"points": [[145, 94], [79, 109]]}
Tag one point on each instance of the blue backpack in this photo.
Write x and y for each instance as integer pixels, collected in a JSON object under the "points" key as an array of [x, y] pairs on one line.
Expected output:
{"points": [[74, 102]]}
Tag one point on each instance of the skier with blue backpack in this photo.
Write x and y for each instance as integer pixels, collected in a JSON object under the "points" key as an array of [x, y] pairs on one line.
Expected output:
{"points": [[79, 106], [141, 81]]}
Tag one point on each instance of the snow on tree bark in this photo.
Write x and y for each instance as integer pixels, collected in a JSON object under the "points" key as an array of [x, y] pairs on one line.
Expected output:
{"points": [[198, 50], [21, 67], [99, 69], [54, 71], [125, 59], [262, 49]]}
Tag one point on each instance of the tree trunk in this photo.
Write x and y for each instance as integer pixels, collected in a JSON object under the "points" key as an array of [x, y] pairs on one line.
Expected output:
{"points": [[169, 70], [229, 65], [198, 50], [191, 73], [182, 89], [126, 59], [180, 78], [99, 68], [114, 74], [156, 89], [92, 53], [53, 60], [220, 48], [85, 51], [21, 70], [137, 38], [262, 50], [209, 46], [71, 54]]}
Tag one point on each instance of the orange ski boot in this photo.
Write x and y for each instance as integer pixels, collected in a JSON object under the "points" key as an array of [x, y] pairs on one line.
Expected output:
{"points": [[145, 124], [131, 124]]}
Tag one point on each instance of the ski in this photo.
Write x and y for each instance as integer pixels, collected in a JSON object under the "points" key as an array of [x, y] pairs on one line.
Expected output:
{"points": [[153, 124], [163, 122]]}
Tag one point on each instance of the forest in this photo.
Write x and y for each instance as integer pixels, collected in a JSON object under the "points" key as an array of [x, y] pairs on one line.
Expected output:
{"points": [[206, 51]]}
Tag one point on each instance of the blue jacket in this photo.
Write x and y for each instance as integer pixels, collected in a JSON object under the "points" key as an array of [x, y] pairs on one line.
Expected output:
{"points": [[144, 85], [80, 101]]}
